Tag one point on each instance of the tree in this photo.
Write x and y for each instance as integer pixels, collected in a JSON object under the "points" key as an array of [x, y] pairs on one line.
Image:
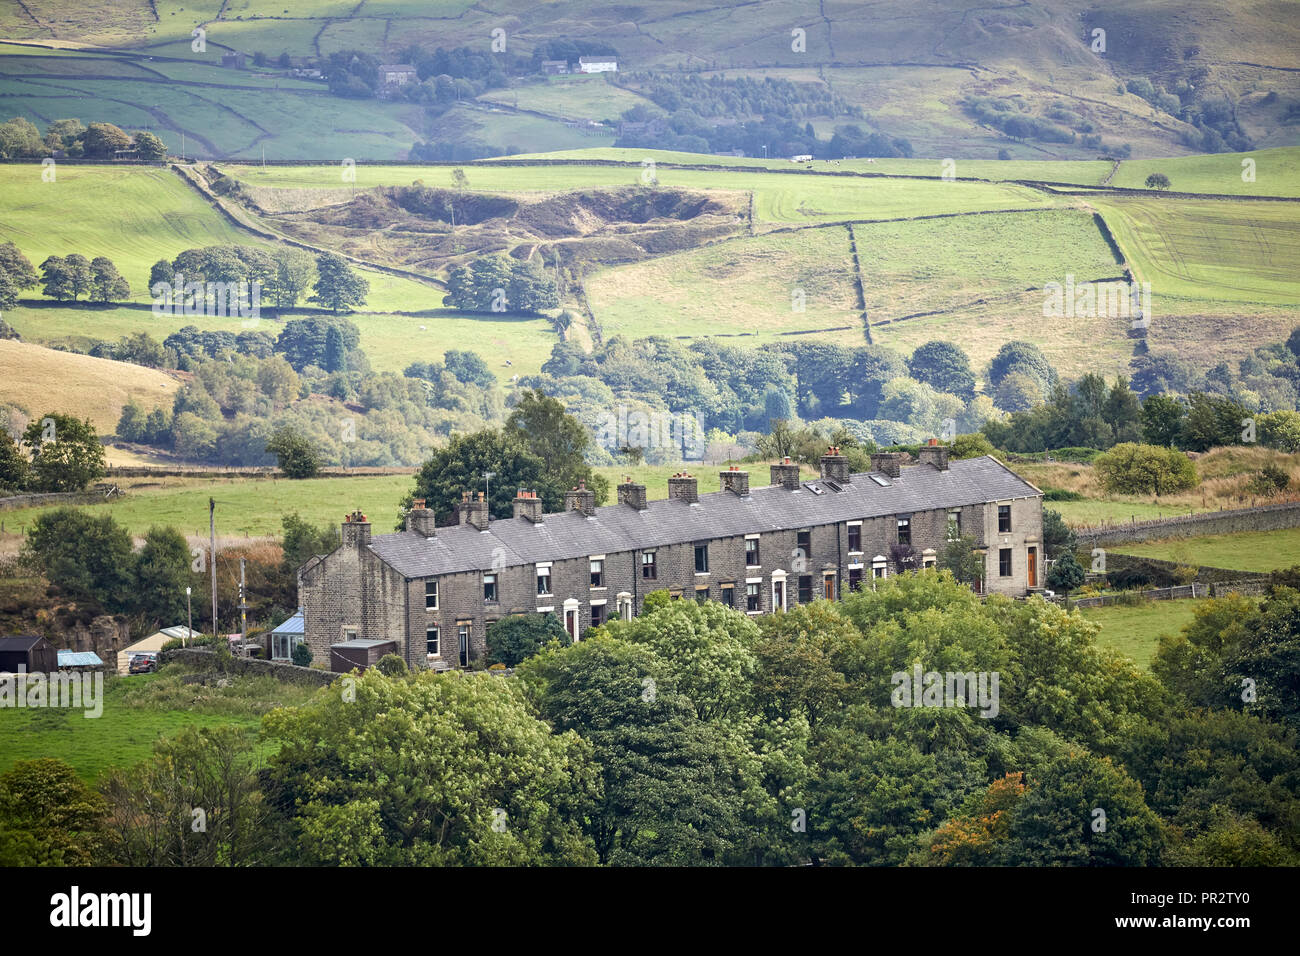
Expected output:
{"points": [[1024, 358], [56, 279], [1212, 420], [162, 569], [430, 770], [1066, 575], [458, 467], [459, 179], [1162, 420], [1017, 392], [1131, 469], [1157, 181], [540, 425], [302, 541], [293, 276], [88, 556], [150, 147], [974, 445], [337, 285], [66, 453], [14, 467], [944, 367], [336, 355], [48, 817], [16, 267], [513, 639], [106, 284], [960, 558], [1058, 537], [103, 140], [295, 453], [499, 284], [469, 368]]}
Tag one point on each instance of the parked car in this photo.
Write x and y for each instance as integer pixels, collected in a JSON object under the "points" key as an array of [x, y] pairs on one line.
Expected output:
{"points": [[142, 664]]}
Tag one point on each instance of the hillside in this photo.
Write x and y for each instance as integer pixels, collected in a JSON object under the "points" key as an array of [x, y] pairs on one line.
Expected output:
{"points": [[38, 380]]}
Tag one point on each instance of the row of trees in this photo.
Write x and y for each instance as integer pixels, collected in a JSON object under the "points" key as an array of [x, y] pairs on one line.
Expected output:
{"points": [[284, 275], [696, 735], [20, 139], [500, 284]]}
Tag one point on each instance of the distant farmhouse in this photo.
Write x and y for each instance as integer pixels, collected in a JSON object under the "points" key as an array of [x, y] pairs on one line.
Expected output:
{"points": [[397, 74], [597, 64], [555, 67], [435, 591], [233, 60]]}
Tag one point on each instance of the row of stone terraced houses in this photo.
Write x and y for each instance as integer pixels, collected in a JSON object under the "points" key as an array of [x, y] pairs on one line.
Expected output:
{"points": [[435, 591]]}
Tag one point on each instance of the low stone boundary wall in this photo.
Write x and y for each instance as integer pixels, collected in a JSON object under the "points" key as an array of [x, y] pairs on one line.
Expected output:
{"points": [[1273, 517], [203, 659], [1205, 574]]}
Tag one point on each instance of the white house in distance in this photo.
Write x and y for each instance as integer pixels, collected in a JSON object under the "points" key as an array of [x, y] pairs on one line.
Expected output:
{"points": [[397, 74], [597, 64]]}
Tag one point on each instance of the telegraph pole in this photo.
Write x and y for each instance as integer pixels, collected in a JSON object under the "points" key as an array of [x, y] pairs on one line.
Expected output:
{"points": [[243, 605], [212, 557]]}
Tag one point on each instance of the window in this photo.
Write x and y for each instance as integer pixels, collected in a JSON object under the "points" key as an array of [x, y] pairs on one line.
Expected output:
{"points": [[751, 553], [431, 595], [905, 530], [648, 565], [805, 589], [597, 615], [954, 524], [855, 578], [702, 593], [1004, 562], [804, 544], [1004, 518], [431, 646], [543, 580], [489, 587], [855, 537], [752, 598], [729, 595], [877, 570], [598, 570], [701, 559], [349, 633]]}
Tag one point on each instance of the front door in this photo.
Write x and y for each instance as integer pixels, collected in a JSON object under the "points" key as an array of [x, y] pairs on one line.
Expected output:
{"points": [[1033, 567], [571, 622]]}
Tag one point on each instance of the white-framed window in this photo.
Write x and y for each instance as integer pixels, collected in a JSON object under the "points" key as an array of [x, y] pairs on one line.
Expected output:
{"points": [[954, 524], [855, 537], [597, 569], [543, 579], [432, 645], [752, 559], [489, 588], [431, 595], [753, 598]]}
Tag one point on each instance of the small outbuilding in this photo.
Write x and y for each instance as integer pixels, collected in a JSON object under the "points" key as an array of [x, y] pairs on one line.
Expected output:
{"points": [[285, 637], [152, 644], [80, 661], [358, 654], [30, 653]]}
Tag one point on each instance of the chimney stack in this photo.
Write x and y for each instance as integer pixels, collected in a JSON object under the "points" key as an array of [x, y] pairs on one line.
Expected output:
{"points": [[786, 474], [735, 481], [887, 463], [835, 467], [684, 487], [528, 505], [356, 530], [474, 510], [934, 454], [631, 493], [419, 520], [581, 499]]}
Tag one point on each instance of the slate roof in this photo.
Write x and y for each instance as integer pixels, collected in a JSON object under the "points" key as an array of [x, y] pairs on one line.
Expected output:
{"points": [[22, 642], [619, 527]]}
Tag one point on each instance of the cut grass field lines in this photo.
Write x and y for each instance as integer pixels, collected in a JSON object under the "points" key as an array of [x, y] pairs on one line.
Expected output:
{"points": [[1203, 249]]}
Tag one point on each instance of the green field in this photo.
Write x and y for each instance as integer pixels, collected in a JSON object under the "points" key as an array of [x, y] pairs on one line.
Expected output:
{"points": [[1276, 173], [1201, 249], [1260, 551], [1135, 631], [572, 96], [246, 507]]}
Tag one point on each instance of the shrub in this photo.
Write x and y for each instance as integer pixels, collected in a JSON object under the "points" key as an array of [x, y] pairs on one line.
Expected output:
{"points": [[520, 636], [390, 665], [1268, 481], [302, 655], [1134, 469]]}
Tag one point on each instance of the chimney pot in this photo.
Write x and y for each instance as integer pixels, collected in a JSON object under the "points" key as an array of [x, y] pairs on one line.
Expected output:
{"points": [[631, 493], [835, 467], [735, 481], [683, 487]]}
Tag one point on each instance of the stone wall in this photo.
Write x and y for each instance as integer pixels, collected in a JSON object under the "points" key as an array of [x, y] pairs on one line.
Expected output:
{"points": [[1262, 518], [201, 658]]}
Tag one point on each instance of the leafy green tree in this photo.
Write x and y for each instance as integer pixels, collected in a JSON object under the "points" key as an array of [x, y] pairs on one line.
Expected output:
{"points": [[56, 279], [945, 367], [292, 277], [1017, 392], [797, 655], [1065, 575], [149, 147], [1057, 823], [336, 355], [469, 367], [392, 665], [295, 453], [14, 466], [430, 770], [513, 639], [459, 466], [1158, 181], [88, 556], [1058, 537], [302, 655], [162, 569], [1162, 420], [302, 342], [48, 816], [540, 425], [337, 286], [152, 805], [960, 559], [1130, 469], [302, 541], [103, 140], [672, 787], [80, 277], [1212, 420], [66, 452], [1280, 430], [107, 284], [971, 446], [1023, 358], [16, 266]]}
